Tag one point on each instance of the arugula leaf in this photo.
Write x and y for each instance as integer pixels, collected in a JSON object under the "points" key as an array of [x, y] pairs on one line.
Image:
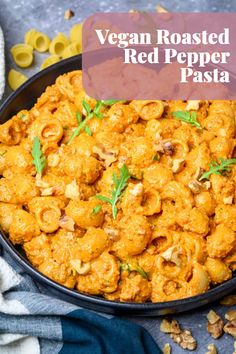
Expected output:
{"points": [[218, 168], [110, 102], [96, 209], [39, 159], [86, 106], [188, 117], [120, 185], [142, 272], [78, 117], [22, 116], [87, 130]]}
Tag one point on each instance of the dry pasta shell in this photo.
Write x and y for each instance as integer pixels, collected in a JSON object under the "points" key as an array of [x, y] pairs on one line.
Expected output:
{"points": [[15, 79], [22, 54], [52, 59], [76, 33], [58, 45], [72, 49], [38, 40]]}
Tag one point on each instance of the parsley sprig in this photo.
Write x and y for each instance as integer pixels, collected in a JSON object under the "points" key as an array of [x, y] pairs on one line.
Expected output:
{"points": [[120, 185], [96, 209], [129, 268], [39, 160], [218, 168], [188, 117]]}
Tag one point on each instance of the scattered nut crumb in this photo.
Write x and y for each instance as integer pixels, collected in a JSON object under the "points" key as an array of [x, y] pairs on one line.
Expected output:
{"points": [[229, 300], [67, 223], [178, 165], [234, 348], [230, 328], [215, 324], [183, 338], [192, 105], [68, 14], [195, 187], [170, 326], [230, 315], [228, 200], [166, 349], [211, 349], [168, 148], [160, 9], [206, 185]]}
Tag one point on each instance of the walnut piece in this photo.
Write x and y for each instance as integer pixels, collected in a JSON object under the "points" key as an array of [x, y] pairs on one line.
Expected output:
{"points": [[172, 254], [192, 105], [72, 190], [215, 324], [170, 326], [230, 328], [228, 200], [166, 349], [68, 14], [79, 266], [229, 300], [183, 338], [195, 187], [211, 349], [231, 315], [168, 148], [161, 10], [67, 223], [178, 165]]}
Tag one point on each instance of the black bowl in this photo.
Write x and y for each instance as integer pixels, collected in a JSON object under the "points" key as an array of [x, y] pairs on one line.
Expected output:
{"points": [[24, 98]]}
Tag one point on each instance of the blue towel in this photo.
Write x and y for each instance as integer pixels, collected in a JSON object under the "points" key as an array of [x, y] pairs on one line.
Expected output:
{"points": [[31, 322]]}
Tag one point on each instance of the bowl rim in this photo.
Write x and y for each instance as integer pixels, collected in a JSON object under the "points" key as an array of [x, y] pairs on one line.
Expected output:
{"points": [[201, 299]]}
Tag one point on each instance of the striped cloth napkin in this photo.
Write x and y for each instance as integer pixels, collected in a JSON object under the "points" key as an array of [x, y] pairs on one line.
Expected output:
{"points": [[2, 64], [31, 322]]}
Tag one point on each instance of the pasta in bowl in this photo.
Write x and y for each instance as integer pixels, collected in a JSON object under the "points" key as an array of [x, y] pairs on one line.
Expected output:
{"points": [[131, 201]]}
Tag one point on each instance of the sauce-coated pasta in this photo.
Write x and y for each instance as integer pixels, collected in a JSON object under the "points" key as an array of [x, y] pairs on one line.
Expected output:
{"points": [[123, 199]]}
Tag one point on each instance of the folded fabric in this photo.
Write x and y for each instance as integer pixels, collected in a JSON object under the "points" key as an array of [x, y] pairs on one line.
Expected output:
{"points": [[2, 64], [34, 323]]}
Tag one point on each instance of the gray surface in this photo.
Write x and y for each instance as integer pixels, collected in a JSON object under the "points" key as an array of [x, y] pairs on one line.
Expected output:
{"points": [[16, 17]]}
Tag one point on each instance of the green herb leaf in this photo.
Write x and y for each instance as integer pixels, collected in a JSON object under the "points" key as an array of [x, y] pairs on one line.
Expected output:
{"points": [[39, 159], [188, 117], [86, 106], [88, 130], [78, 118], [128, 267], [22, 116], [96, 209], [218, 168], [142, 272], [120, 185], [111, 102]]}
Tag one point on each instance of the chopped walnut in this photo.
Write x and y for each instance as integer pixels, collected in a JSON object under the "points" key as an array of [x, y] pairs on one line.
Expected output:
{"points": [[40, 183], [230, 328], [172, 254], [137, 190], [166, 349], [68, 14], [228, 200], [108, 156], [231, 315], [53, 160], [67, 223], [206, 185], [178, 165], [234, 348], [170, 326], [195, 187], [72, 190], [215, 324], [185, 340], [168, 148], [161, 10], [192, 105], [198, 173], [211, 349], [48, 191], [112, 233], [229, 300]]}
